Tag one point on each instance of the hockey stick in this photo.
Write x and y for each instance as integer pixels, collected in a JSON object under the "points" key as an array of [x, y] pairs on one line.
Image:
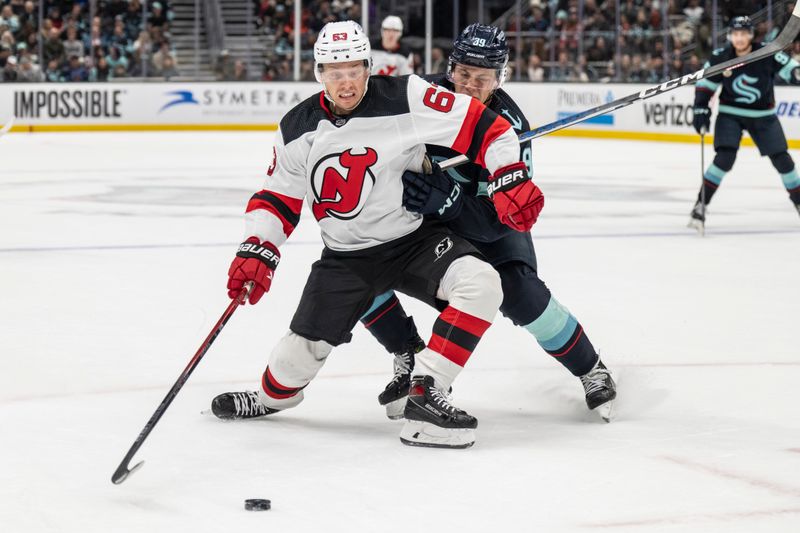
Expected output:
{"points": [[123, 471], [783, 40], [703, 180]]}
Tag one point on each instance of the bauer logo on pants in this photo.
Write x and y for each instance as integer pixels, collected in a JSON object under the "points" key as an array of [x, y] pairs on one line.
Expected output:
{"points": [[442, 248], [341, 184]]}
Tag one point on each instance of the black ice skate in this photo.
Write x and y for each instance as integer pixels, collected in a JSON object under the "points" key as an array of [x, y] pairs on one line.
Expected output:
{"points": [[239, 405], [394, 395], [431, 420], [698, 218], [600, 390]]}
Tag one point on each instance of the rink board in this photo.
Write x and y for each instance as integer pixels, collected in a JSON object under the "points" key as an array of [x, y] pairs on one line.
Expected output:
{"points": [[260, 106]]}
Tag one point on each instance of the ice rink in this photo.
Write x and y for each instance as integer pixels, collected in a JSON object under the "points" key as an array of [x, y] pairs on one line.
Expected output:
{"points": [[114, 251]]}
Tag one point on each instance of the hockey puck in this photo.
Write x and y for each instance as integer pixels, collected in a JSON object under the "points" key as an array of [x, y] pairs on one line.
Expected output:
{"points": [[257, 505]]}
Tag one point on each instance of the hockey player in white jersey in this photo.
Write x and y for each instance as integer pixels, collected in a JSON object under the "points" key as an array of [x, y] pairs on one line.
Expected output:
{"points": [[390, 57], [344, 151]]}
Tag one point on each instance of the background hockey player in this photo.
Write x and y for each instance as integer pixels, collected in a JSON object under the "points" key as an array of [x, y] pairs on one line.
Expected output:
{"points": [[330, 151], [390, 57], [746, 102], [458, 197]]}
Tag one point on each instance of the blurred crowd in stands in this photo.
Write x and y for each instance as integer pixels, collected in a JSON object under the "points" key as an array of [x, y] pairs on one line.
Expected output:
{"points": [[119, 40], [559, 40]]}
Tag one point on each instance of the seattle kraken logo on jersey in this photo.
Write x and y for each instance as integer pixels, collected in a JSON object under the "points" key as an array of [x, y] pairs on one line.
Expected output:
{"points": [[742, 85]]}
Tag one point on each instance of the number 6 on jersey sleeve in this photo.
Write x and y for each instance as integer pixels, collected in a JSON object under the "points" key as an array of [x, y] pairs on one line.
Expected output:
{"points": [[439, 100]]}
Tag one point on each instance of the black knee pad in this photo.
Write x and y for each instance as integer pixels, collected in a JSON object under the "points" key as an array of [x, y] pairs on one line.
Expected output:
{"points": [[725, 158], [525, 296], [782, 162]]}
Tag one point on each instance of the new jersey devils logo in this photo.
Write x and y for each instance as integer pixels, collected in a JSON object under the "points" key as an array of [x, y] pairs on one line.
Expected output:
{"points": [[341, 184]]}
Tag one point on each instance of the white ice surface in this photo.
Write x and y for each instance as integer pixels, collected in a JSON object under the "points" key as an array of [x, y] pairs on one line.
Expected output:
{"points": [[114, 250]]}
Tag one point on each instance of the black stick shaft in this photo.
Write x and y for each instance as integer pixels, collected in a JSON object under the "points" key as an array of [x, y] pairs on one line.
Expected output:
{"points": [[123, 470]]}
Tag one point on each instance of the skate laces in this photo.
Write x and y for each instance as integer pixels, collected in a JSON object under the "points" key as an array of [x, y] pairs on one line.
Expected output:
{"points": [[595, 380], [402, 366], [247, 403], [442, 399]]}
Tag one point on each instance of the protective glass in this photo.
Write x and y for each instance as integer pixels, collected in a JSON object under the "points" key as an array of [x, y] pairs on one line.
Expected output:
{"points": [[333, 74]]}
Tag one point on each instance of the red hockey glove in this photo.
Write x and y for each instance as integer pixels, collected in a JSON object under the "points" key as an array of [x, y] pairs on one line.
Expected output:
{"points": [[516, 198], [253, 262]]}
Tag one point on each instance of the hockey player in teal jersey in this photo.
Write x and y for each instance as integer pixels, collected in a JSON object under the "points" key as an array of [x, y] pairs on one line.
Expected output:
{"points": [[746, 102]]}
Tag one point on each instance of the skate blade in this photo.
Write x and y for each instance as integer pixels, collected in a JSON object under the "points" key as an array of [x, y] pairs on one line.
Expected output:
{"points": [[605, 411], [395, 409], [416, 433], [698, 225]]}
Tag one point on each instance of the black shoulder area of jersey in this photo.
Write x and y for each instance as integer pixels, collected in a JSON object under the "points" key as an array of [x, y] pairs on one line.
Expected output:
{"points": [[438, 79], [386, 96], [505, 106], [302, 118], [721, 54]]}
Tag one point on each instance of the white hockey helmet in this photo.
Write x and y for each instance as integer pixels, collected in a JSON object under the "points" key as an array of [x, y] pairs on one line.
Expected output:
{"points": [[340, 42], [392, 22]]}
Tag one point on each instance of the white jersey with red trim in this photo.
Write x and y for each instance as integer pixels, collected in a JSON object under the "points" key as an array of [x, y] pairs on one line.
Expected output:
{"points": [[349, 169], [399, 62]]}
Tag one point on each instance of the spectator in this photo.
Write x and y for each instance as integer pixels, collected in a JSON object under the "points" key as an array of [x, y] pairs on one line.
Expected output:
{"points": [[239, 72], [161, 55], [223, 70], [53, 72], [28, 72], [168, 69], [116, 60], [8, 18], [535, 70], [10, 69], [158, 18], [72, 46], [438, 60], [75, 70], [101, 71], [53, 47]]}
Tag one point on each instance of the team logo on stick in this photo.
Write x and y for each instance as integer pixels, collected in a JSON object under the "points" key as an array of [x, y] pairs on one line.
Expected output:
{"points": [[341, 183]]}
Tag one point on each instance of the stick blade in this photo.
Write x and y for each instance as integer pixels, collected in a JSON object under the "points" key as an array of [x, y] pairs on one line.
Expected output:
{"points": [[122, 472]]}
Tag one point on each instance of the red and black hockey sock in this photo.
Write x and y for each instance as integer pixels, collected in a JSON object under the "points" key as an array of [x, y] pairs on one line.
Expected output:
{"points": [[456, 334], [274, 389]]}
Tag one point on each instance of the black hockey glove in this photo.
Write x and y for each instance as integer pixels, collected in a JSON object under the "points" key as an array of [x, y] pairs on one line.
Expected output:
{"points": [[432, 194], [702, 119]]}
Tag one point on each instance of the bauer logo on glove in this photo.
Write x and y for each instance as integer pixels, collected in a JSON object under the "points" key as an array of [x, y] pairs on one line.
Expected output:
{"points": [[253, 249], [506, 182], [516, 198]]}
